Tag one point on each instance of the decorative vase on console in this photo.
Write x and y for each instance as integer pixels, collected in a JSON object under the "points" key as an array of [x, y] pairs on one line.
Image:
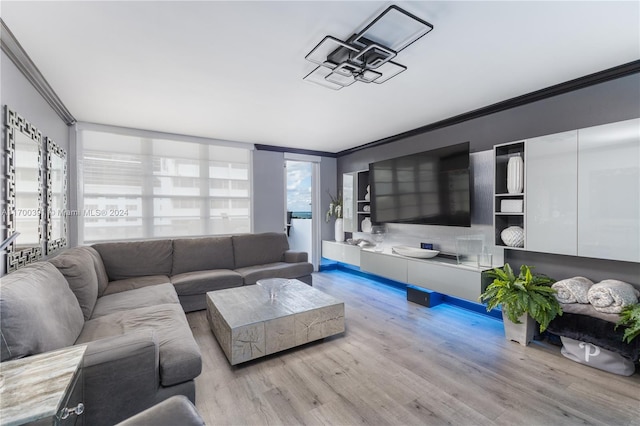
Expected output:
{"points": [[335, 209], [339, 230], [377, 232], [515, 175]]}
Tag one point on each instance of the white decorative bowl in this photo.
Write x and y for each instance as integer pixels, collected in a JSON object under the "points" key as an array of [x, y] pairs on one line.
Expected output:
{"points": [[513, 236], [415, 252]]}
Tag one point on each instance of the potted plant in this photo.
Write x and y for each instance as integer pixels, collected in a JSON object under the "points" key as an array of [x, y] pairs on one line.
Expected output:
{"points": [[526, 299], [630, 318], [335, 209]]}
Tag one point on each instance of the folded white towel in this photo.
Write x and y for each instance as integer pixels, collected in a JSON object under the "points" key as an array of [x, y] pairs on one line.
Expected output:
{"points": [[572, 290], [612, 296]]}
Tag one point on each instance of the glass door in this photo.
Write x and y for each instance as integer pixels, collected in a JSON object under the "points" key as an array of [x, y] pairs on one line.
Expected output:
{"points": [[299, 182]]}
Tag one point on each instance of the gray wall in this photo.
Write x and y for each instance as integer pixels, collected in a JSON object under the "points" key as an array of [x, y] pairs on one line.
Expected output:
{"points": [[607, 102], [22, 97], [328, 181], [269, 191], [614, 100]]}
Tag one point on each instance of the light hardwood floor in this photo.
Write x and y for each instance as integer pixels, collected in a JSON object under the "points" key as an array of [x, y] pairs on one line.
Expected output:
{"points": [[400, 363]]}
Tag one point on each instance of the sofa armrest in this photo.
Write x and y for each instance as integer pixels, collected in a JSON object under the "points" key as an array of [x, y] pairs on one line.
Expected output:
{"points": [[177, 410], [295, 256], [121, 376]]}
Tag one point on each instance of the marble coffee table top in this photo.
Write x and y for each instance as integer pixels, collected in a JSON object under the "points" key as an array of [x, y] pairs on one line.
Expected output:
{"points": [[250, 304], [32, 388]]}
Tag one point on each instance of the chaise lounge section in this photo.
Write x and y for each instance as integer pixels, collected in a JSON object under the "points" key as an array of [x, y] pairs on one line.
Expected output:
{"points": [[127, 301], [138, 353]]}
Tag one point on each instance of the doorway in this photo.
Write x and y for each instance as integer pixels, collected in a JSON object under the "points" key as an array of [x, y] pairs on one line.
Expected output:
{"points": [[300, 189]]}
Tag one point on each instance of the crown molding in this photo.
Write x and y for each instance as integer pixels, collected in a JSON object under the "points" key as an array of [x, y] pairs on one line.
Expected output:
{"points": [[12, 48], [558, 89], [273, 148]]}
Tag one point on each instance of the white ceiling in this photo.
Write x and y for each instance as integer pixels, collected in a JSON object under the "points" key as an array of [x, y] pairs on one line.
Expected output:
{"points": [[233, 70]]}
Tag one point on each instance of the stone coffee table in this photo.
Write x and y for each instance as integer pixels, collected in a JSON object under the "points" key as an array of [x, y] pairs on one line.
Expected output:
{"points": [[248, 324]]}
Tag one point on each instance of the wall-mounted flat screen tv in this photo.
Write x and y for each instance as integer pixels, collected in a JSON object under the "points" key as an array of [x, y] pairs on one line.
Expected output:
{"points": [[431, 187]]}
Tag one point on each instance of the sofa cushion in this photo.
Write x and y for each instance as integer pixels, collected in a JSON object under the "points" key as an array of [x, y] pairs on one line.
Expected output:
{"points": [[201, 254], [101, 272], [200, 282], [136, 258], [251, 274], [180, 358], [38, 311], [137, 298], [78, 268], [259, 249], [133, 283]]}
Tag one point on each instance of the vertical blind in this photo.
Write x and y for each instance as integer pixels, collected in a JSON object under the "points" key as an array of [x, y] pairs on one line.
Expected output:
{"points": [[133, 187]]}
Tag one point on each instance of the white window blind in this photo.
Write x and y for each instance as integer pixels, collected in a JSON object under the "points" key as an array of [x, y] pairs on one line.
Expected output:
{"points": [[133, 187]]}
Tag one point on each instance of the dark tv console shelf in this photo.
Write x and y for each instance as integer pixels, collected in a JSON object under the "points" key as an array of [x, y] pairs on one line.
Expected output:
{"points": [[503, 220]]}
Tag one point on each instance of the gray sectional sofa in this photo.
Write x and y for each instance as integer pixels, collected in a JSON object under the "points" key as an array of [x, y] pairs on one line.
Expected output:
{"points": [[197, 265], [126, 301]]}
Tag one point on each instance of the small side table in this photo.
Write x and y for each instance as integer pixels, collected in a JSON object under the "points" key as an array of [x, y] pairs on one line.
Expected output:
{"points": [[43, 389]]}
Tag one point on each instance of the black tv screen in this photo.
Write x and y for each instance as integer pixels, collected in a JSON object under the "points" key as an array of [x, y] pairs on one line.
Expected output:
{"points": [[431, 187]]}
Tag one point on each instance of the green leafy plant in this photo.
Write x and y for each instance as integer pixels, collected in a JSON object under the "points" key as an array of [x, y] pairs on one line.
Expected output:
{"points": [[524, 293], [335, 207], [630, 318]]}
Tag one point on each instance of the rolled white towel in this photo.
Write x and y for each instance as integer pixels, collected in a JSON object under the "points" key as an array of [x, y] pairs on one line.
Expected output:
{"points": [[572, 290], [612, 296]]}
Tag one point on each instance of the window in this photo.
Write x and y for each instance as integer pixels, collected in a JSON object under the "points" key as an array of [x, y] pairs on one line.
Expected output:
{"points": [[136, 187]]}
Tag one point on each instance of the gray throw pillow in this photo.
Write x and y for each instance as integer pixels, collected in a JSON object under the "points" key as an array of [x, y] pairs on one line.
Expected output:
{"points": [[101, 272], [38, 311], [78, 267]]}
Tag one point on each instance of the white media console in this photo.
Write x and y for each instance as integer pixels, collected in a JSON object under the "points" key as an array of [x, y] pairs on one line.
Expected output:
{"points": [[438, 274]]}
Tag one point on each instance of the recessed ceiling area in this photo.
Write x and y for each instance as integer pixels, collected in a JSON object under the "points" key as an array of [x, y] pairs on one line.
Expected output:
{"points": [[234, 70]]}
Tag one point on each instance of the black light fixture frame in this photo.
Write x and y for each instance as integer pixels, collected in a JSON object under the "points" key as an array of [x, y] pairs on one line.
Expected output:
{"points": [[358, 58], [355, 38]]}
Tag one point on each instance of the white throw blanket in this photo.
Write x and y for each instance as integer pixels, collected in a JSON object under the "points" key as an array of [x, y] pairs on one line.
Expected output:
{"points": [[612, 296], [572, 290]]}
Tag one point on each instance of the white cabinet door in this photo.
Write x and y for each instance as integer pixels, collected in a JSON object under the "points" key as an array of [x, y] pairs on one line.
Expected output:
{"points": [[609, 191], [552, 193], [445, 279], [341, 252], [385, 265], [348, 203]]}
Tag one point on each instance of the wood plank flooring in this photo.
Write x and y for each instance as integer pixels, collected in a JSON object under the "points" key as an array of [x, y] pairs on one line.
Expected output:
{"points": [[399, 363]]}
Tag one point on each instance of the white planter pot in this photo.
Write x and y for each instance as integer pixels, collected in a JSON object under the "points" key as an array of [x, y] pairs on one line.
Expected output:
{"points": [[339, 230], [515, 175], [521, 333]]}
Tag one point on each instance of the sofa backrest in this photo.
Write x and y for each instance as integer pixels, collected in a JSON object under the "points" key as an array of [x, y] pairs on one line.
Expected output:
{"points": [[201, 254], [38, 312], [136, 258], [101, 272], [259, 249], [78, 268]]}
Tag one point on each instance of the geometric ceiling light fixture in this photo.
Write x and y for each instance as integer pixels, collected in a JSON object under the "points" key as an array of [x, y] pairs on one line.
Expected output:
{"points": [[366, 56]]}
